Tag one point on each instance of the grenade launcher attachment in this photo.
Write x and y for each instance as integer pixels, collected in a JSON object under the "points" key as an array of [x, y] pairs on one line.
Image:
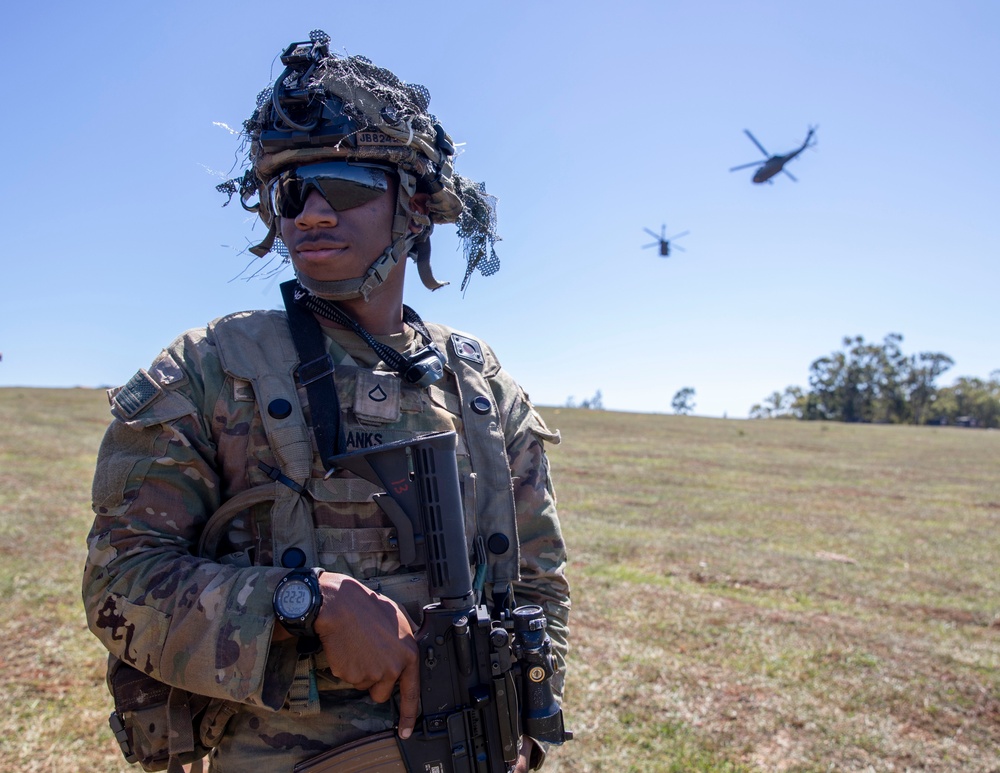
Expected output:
{"points": [[484, 680]]}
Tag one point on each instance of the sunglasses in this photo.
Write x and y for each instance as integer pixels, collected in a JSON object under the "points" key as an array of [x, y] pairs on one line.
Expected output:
{"points": [[342, 184]]}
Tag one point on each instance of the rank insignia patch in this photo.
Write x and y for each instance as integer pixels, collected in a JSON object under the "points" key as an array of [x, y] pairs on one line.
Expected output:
{"points": [[377, 397], [467, 348]]}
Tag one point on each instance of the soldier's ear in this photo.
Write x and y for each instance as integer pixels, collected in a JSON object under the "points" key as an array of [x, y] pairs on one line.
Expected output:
{"points": [[420, 204]]}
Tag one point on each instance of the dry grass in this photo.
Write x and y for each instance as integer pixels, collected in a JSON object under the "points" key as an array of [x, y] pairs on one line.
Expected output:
{"points": [[51, 667], [780, 596], [748, 596]]}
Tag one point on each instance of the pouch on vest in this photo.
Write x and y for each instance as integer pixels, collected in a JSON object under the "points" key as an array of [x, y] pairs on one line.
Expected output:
{"points": [[158, 726]]}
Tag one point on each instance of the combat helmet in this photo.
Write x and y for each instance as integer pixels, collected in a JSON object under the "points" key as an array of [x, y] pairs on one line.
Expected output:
{"points": [[326, 107]]}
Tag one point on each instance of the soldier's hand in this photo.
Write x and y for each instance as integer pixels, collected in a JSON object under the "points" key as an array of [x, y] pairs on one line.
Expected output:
{"points": [[524, 756], [368, 641]]}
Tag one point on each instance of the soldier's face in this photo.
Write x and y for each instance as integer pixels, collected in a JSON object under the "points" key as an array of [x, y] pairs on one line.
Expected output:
{"points": [[330, 245]]}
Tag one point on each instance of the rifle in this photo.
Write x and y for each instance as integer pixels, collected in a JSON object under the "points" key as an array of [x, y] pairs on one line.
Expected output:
{"points": [[484, 680]]}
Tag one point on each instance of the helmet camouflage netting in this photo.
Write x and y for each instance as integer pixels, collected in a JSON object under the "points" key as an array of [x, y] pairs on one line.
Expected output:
{"points": [[324, 107]]}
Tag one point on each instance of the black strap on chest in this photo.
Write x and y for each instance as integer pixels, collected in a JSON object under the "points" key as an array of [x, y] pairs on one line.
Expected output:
{"points": [[422, 367], [315, 373]]}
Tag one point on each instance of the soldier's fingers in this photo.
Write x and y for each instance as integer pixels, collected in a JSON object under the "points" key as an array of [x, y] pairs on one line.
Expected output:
{"points": [[381, 691], [409, 699], [524, 756], [361, 684]]}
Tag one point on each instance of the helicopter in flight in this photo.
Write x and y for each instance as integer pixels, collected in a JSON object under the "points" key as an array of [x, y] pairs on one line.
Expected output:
{"points": [[663, 242], [771, 165]]}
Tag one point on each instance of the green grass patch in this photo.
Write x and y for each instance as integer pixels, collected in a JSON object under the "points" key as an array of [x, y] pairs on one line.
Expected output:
{"points": [[748, 596]]}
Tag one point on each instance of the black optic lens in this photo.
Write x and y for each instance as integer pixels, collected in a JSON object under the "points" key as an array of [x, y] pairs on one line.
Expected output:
{"points": [[343, 185]]}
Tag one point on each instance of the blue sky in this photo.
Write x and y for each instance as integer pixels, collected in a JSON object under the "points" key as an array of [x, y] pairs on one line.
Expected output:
{"points": [[590, 122]]}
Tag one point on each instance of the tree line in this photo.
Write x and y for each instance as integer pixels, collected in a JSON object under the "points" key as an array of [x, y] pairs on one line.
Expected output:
{"points": [[868, 382]]}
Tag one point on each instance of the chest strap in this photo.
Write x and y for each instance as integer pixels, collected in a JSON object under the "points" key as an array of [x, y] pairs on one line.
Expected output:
{"points": [[315, 373]]}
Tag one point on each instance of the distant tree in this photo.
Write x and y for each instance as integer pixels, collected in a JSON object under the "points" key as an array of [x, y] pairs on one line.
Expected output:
{"points": [[924, 368], [969, 400], [845, 383], [872, 382], [789, 404], [869, 382], [683, 401], [595, 403]]}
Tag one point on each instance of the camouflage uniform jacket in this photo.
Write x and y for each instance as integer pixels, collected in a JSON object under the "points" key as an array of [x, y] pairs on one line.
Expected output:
{"points": [[188, 436]]}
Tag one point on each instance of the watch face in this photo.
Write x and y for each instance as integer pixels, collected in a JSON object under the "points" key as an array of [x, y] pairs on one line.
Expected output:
{"points": [[294, 599]]}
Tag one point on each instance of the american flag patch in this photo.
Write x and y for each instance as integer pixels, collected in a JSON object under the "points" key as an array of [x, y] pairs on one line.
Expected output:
{"points": [[139, 392]]}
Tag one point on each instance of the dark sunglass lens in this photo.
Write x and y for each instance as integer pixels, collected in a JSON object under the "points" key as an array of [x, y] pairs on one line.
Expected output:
{"points": [[344, 186], [346, 194], [286, 196]]}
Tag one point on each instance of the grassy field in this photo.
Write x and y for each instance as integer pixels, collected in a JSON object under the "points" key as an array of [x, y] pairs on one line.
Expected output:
{"points": [[748, 596]]}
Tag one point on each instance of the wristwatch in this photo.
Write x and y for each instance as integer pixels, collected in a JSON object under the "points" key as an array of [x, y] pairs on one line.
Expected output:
{"points": [[297, 600]]}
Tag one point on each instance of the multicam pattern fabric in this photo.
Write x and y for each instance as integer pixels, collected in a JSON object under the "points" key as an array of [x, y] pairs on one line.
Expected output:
{"points": [[205, 625]]}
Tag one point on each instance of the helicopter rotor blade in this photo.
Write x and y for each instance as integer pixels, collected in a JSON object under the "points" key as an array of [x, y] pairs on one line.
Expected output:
{"points": [[747, 166], [790, 175], [678, 236], [655, 236], [654, 244], [677, 247], [754, 141]]}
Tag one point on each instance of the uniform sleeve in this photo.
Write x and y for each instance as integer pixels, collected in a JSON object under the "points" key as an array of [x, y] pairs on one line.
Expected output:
{"points": [[542, 550], [187, 621]]}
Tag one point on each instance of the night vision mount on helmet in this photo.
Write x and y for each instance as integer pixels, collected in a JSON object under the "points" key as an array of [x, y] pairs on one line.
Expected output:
{"points": [[325, 107]]}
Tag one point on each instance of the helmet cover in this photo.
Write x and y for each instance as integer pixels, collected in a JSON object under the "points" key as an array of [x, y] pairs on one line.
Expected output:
{"points": [[327, 107]]}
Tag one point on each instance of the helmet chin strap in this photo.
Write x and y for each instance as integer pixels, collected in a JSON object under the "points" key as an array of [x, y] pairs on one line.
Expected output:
{"points": [[404, 242], [362, 286]]}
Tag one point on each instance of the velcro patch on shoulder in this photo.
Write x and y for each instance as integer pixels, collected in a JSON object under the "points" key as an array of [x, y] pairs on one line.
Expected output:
{"points": [[140, 392], [467, 348], [243, 391]]}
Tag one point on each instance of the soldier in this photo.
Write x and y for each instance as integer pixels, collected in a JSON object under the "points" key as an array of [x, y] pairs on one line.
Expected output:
{"points": [[235, 423]]}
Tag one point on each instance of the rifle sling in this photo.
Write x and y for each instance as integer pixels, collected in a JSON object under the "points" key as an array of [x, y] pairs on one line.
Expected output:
{"points": [[315, 372]]}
